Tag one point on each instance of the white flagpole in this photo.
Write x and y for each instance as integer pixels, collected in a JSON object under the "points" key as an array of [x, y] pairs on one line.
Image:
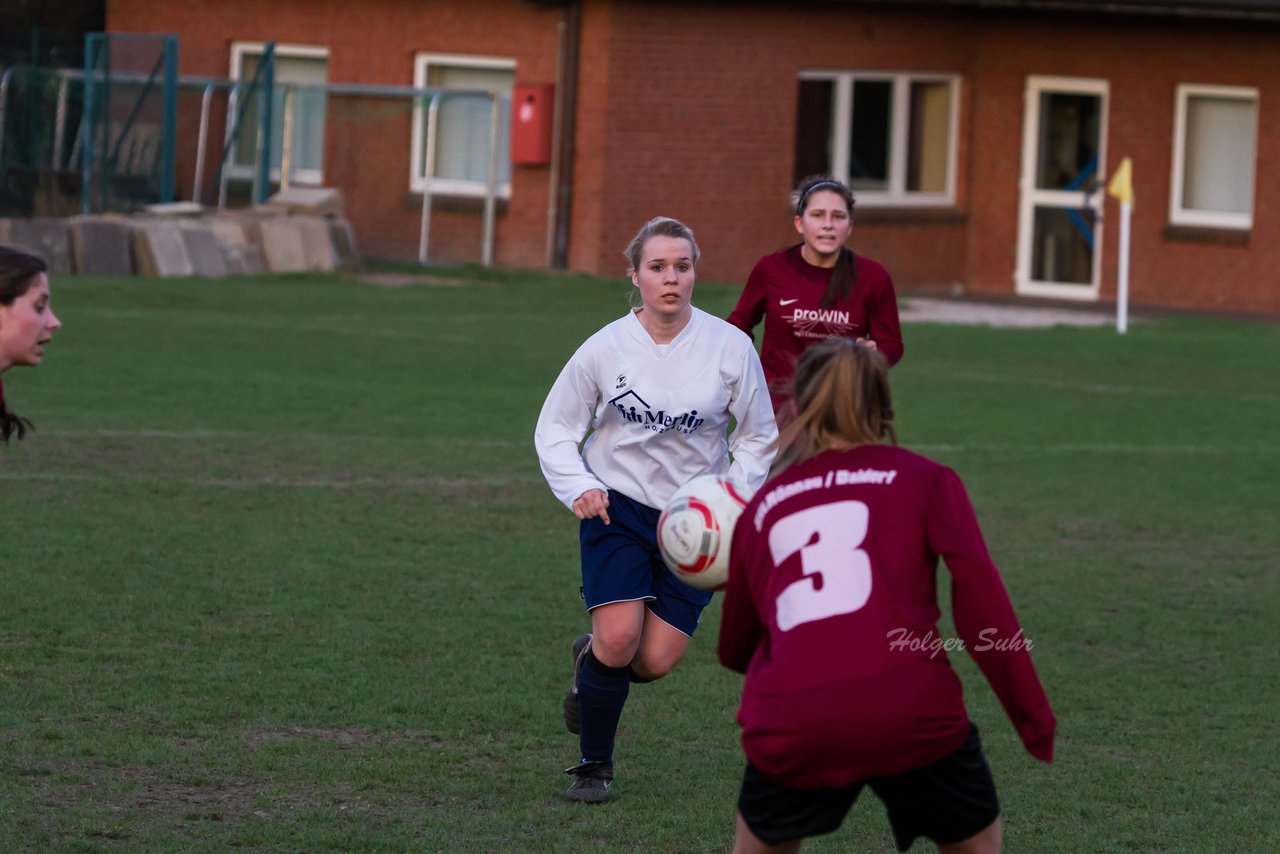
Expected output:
{"points": [[1121, 187], [1122, 286]]}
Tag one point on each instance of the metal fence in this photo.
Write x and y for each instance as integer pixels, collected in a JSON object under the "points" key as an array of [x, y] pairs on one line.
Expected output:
{"points": [[114, 138]]}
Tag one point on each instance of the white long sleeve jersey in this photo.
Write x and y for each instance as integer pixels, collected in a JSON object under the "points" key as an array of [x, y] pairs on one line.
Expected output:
{"points": [[660, 412]]}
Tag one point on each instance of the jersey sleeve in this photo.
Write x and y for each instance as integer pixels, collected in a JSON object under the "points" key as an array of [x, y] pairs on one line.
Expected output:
{"points": [[883, 324], [566, 416], [740, 625], [746, 315], [752, 441], [984, 616]]}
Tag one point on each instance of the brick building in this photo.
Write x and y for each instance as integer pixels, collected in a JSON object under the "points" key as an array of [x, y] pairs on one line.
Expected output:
{"points": [[978, 134]]}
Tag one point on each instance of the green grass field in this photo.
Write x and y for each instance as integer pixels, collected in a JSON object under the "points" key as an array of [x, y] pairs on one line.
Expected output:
{"points": [[278, 571]]}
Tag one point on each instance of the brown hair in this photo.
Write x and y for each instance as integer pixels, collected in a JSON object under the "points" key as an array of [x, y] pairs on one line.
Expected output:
{"points": [[844, 277], [18, 271], [841, 393], [659, 226]]}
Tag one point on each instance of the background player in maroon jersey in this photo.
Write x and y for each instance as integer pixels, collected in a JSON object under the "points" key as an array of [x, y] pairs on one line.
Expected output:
{"points": [[831, 611], [817, 289]]}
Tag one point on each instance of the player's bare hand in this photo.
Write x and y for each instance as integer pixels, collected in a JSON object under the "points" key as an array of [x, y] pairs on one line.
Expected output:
{"points": [[590, 504], [868, 342]]}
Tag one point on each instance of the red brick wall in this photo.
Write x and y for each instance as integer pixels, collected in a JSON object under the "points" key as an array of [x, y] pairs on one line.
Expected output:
{"points": [[591, 204], [699, 124], [375, 43], [688, 109], [1143, 62]]}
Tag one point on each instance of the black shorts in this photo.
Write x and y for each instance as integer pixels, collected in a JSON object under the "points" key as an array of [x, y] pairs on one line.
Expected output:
{"points": [[946, 801]]}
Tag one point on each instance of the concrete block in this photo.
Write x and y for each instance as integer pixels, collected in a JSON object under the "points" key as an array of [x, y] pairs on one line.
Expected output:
{"points": [[208, 254], [282, 244], [159, 249], [100, 245], [316, 244], [343, 238], [46, 237], [246, 260], [315, 201], [228, 228]]}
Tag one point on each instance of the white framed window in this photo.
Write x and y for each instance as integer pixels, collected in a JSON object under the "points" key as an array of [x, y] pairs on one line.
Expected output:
{"points": [[890, 136], [300, 72], [462, 157], [1215, 143]]}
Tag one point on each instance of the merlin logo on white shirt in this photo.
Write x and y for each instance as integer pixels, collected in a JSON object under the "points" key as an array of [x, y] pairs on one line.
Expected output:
{"points": [[633, 408]]}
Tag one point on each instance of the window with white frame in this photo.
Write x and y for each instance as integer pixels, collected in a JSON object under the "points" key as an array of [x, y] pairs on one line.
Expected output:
{"points": [[1214, 153], [298, 102], [460, 153], [891, 137]]}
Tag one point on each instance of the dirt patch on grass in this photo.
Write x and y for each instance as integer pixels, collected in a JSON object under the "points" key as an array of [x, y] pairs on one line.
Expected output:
{"points": [[145, 790], [141, 791], [221, 801], [342, 737], [345, 738]]}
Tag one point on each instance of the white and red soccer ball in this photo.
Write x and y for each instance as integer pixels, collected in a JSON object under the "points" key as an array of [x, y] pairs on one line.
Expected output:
{"points": [[696, 528]]}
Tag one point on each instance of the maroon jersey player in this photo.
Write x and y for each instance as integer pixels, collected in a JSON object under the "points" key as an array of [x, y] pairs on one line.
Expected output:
{"points": [[817, 289], [831, 611]]}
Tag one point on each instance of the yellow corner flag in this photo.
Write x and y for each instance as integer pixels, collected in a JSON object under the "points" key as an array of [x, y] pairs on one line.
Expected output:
{"points": [[1121, 184]]}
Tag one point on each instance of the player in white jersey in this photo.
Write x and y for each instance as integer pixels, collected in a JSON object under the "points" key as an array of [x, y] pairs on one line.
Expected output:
{"points": [[656, 390]]}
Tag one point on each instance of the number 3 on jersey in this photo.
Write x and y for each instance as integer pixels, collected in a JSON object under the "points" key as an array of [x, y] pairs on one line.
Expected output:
{"points": [[828, 539]]}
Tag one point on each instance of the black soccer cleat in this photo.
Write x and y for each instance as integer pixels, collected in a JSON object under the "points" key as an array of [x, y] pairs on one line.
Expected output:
{"points": [[591, 783], [572, 716]]}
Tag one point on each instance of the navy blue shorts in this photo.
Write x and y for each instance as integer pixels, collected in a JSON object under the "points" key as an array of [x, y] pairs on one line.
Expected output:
{"points": [[621, 563]]}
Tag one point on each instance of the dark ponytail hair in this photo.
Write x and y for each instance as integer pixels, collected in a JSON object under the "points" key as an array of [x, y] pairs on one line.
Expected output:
{"points": [[844, 277], [18, 271], [11, 422]]}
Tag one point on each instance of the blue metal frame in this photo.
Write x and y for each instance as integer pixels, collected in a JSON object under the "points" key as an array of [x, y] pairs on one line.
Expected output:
{"points": [[92, 43], [170, 119], [263, 81], [97, 52], [266, 98], [1081, 225]]}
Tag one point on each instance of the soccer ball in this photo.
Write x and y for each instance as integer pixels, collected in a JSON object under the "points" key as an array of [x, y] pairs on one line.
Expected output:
{"points": [[696, 527]]}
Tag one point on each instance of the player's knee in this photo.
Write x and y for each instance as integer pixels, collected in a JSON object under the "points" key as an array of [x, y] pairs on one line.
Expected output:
{"points": [[642, 672], [614, 647], [651, 665]]}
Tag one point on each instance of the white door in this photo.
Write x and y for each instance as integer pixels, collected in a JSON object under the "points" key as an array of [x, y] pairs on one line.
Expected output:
{"points": [[1061, 188]]}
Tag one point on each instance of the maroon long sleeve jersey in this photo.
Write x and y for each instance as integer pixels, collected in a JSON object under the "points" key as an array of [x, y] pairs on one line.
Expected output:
{"points": [[831, 611], [786, 292]]}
